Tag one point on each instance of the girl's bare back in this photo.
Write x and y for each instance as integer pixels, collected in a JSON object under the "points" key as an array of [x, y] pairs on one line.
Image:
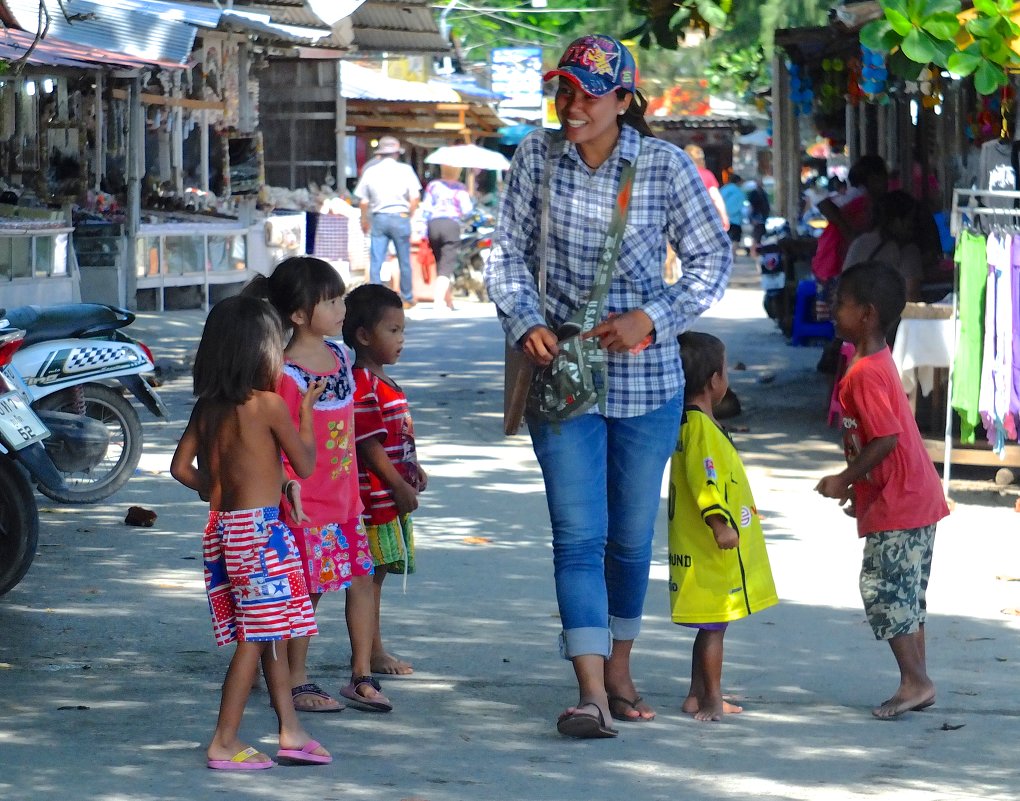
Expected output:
{"points": [[240, 454]]}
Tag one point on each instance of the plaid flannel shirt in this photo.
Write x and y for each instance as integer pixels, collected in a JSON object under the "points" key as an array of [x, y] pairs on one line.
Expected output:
{"points": [[669, 203]]}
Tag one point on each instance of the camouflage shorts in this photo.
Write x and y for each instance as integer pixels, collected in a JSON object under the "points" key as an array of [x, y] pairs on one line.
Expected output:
{"points": [[894, 579]]}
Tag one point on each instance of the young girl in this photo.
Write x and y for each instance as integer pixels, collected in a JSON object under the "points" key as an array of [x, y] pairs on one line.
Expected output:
{"points": [[390, 476], [718, 567], [256, 588], [325, 512]]}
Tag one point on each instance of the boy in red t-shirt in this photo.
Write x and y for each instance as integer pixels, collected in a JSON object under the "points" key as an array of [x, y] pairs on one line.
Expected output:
{"points": [[389, 475], [890, 480]]}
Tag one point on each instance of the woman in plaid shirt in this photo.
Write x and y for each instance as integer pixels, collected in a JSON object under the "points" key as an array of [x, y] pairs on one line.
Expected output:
{"points": [[603, 473]]}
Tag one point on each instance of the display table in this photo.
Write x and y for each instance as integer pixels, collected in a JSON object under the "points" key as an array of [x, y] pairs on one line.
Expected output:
{"points": [[921, 346], [196, 252]]}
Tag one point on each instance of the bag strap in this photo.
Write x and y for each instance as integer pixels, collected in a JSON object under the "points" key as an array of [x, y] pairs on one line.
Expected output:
{"points": [[611, 246]]}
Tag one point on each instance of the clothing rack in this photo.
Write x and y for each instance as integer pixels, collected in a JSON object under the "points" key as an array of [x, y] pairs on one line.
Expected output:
{"points": [[961, 211]]}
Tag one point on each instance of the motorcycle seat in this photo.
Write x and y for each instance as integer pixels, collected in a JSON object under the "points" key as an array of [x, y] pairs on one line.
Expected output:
{"points": [[68, 320]]}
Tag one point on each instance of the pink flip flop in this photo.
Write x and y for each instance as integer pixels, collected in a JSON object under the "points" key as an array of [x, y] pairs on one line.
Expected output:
{"points": [[239, 761], [305, 756]]}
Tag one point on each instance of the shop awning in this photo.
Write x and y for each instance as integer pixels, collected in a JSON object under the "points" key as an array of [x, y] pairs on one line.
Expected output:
{"points": [[357, 82], [444, 121], [110, 26]]}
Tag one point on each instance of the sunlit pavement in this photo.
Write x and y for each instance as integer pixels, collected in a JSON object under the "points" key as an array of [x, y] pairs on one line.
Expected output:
{"points": [[110, 680]]}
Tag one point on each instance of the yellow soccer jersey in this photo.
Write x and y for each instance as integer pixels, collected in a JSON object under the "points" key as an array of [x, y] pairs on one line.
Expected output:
{"points": [[706, 477]]}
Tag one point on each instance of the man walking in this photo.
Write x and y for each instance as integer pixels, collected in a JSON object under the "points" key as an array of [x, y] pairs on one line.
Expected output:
{"points": [[388, 193]]}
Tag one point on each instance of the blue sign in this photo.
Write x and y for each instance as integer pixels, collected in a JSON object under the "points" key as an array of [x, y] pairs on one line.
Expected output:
{"points": [[517, 75]]}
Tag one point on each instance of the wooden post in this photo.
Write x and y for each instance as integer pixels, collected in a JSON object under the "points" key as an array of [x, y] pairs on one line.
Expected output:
{"points": [[341, 134]]}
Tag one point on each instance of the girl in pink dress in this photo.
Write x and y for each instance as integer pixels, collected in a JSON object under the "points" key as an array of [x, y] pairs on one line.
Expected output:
{"points": [[324, 509]]}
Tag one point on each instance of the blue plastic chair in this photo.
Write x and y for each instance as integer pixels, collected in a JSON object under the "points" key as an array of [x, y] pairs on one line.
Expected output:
{"points": [[805, 327]]}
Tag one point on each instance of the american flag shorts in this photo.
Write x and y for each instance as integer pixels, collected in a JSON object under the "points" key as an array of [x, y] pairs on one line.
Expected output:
{"points": [[254, 578]]}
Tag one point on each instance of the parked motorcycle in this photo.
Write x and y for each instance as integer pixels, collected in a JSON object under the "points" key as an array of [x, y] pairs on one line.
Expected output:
{"points": [[475, 244], [21, 455], [72, 359], [770, 265]]}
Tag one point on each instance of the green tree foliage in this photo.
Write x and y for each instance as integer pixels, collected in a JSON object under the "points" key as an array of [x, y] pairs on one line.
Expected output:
{"points": [[916, 33]]}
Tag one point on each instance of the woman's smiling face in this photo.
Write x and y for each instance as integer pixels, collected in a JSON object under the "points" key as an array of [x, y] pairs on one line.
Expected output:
{"points": [[589, 122]]}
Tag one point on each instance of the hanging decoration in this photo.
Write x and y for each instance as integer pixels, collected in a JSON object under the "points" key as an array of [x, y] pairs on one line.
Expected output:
{"points": [[930, 87], [854, 93], [833, 84], [874, 75], [801, 92]]}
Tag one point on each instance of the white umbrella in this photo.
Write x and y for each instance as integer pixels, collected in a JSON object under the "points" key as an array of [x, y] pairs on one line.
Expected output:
{"points": [[469, 157]]}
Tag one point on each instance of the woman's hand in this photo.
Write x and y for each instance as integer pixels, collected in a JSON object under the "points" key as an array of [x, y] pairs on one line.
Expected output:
{"points": [[622, 332], [540, 345]]}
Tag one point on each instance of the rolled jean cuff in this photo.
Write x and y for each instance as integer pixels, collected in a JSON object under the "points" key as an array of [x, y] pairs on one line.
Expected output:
{"points": [[624, 628], [581, 642]]}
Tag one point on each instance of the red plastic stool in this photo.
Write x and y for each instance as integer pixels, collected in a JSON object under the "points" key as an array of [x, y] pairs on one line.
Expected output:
{"points": [[846, 355]]}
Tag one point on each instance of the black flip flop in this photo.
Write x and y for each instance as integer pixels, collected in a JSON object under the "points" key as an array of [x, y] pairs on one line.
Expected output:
{"points": [[619, 699], [584, 725]]}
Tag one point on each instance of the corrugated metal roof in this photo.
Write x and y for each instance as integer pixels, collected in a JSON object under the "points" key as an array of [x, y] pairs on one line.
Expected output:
{"points": [[115, 29], [399, 26], [52, 52], [246, 21]]}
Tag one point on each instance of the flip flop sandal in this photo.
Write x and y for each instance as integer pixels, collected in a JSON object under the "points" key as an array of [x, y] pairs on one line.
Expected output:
{"points": [[240, 761], [318, 692], [584, 725], [379, 703], [619, 699], [304, 756]]}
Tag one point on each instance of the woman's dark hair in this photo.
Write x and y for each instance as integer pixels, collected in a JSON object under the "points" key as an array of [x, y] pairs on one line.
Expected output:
{"points": [[634, 116], [702, 355], [241, 350], [365, 307], [297, 284], [893, 206], [875, 283]]}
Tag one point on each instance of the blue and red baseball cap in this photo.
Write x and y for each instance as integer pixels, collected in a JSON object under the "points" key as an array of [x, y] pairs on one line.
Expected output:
{"points": [[598, 64]]}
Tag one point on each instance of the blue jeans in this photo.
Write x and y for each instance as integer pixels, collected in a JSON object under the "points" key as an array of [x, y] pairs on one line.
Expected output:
{"points": [[394, 228], [603, 478]]}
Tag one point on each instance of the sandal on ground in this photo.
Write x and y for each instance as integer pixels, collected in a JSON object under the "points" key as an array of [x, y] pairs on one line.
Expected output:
{"points": [[584, 725], [376, 703], [616, 701], [242, 760], [304, 756], [317, 691]]}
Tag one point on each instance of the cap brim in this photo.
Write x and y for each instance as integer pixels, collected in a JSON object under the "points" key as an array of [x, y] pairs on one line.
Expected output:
{"points": [[591, 85]]}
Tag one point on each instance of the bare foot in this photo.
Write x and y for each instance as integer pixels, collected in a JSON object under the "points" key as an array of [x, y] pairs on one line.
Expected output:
{"points": [[635, 708], [905, 702], [692, 707], [389, 665]]}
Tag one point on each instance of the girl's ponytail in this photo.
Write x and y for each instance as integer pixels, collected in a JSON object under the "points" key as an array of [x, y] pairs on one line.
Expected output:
{"points": [[257, 287]]}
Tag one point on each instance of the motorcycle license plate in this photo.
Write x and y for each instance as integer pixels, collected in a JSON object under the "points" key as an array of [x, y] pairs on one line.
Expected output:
{"points": [[19, 425], [773, 281]]}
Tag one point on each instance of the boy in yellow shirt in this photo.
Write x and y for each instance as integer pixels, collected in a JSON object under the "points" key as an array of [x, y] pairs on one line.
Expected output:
{"points": [[718, 567]]}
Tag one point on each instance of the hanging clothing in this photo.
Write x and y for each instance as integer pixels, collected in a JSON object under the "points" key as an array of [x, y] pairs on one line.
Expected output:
{"points": [[972, 263], [995, 168], [997, 356], [1014, 397]]}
